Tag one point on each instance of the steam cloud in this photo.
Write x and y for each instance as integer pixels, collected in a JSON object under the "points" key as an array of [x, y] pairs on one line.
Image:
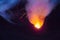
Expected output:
{"points": [[37, 10], [40, 6]]}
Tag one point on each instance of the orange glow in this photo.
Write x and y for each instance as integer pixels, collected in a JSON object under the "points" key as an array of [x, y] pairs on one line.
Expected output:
{"points": [[37, 25], [36, 20]]}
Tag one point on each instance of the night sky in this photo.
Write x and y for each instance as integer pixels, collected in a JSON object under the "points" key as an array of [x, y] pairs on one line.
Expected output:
{"points": [[23, 29]]}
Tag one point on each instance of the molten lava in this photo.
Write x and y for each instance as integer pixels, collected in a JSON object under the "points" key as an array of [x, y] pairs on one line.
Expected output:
{"points": [[36, 20], [37, 25]]}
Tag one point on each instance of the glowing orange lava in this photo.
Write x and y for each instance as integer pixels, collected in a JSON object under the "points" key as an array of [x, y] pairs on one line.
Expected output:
{"points": [[37, 25], [37, 20]]}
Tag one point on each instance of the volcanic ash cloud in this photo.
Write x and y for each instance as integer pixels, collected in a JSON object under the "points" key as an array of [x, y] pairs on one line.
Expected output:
{"points": [[37, 10]]}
